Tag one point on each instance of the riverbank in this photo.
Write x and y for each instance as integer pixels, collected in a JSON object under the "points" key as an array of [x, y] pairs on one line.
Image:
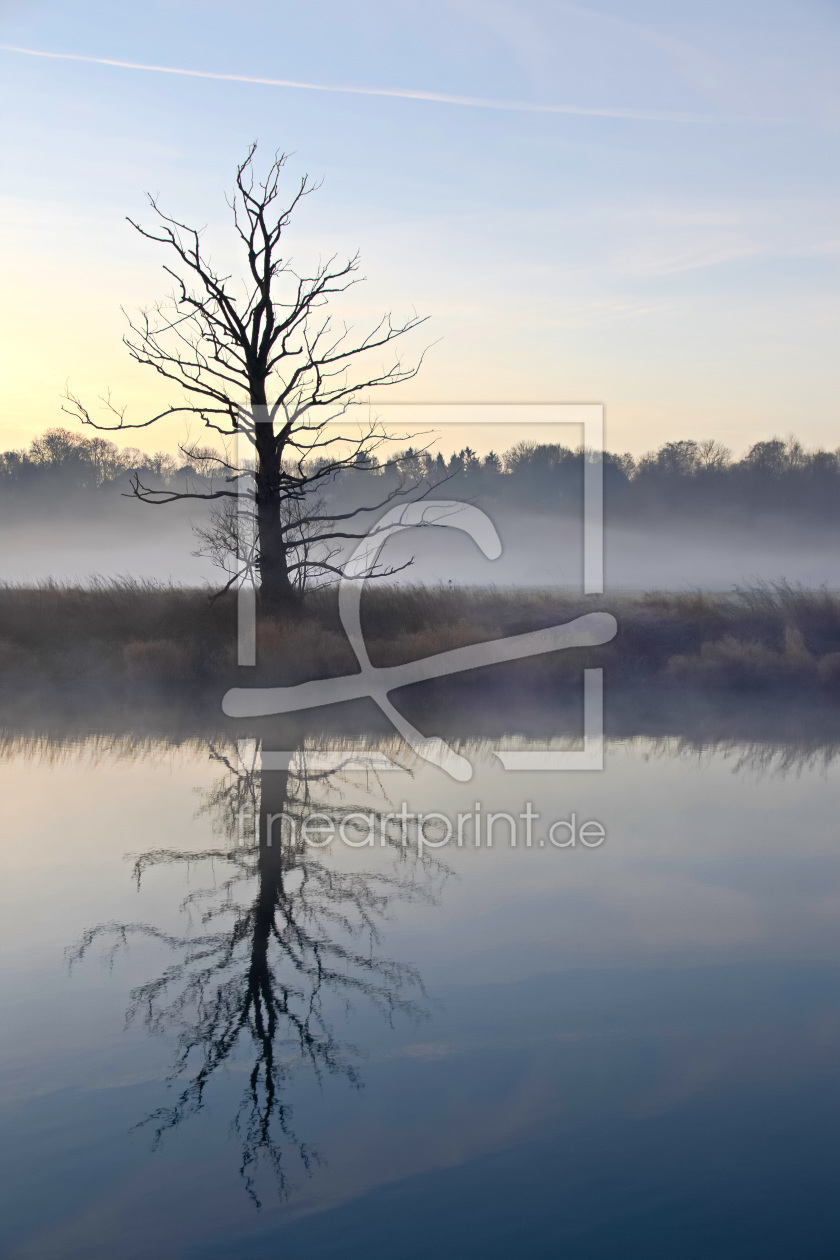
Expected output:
{"points": [[124, 646]]}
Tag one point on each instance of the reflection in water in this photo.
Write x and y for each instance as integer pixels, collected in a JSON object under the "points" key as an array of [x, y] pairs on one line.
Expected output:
{"points": [[631, 1045], [771, 758], [285, 935], [761, 748]]}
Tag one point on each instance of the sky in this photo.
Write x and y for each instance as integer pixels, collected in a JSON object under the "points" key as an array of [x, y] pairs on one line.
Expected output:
{"points": [[633, 204]]}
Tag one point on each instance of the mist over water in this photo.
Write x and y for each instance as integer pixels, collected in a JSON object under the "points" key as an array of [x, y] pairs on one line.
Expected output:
{"points": [[546, 550], [685, 516], [118, 537], [112, 537]]}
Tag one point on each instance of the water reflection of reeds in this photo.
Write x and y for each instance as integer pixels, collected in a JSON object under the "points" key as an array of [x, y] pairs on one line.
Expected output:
{"points": [[339, 758]]}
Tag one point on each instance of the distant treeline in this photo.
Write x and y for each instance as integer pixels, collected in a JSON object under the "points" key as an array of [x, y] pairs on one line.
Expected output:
{"points": [[68, 462], [685, 477]]}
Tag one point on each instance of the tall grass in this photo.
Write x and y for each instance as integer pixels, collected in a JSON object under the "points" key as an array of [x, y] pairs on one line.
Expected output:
{"points": [[118, 635]]}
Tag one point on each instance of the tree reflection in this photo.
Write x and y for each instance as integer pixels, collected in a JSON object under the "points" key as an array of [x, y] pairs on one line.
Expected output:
{"points": [[281, 936]]}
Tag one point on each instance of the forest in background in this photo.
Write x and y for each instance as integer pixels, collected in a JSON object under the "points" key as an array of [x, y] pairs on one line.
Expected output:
{"points": [[685, 477]]}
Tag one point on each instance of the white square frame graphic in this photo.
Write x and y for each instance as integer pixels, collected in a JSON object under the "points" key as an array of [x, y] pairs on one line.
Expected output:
{"points": [[589, 417]]}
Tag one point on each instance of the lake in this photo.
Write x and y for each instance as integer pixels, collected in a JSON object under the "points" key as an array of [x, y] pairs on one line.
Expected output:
{"points": [[368, 1039]]}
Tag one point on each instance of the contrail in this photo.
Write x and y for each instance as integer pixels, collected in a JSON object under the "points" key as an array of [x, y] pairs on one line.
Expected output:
{"points": [[408, 94]]}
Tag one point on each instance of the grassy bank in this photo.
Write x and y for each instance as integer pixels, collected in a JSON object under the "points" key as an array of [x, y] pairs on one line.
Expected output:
{"points": [[115, 639], [142, 661]]}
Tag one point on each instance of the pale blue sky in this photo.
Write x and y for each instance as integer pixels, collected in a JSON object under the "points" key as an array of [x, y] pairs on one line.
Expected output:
{"points": [[671, 249]]}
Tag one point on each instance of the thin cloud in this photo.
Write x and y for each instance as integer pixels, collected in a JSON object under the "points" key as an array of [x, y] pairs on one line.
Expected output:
{"points": [[409, 94]]}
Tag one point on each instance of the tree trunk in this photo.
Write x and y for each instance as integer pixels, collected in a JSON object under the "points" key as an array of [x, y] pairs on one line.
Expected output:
{"points": [[278, 595]]}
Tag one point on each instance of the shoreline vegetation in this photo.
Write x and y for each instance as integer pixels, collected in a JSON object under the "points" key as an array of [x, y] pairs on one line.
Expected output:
{"points": [[99, 656]]}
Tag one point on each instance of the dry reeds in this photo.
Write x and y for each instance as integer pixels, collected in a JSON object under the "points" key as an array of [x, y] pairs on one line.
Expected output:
{"points": [[120, 636]]}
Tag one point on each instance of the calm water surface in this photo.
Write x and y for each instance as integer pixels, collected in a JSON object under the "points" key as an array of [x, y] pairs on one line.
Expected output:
{"points": [[213, 1047]]}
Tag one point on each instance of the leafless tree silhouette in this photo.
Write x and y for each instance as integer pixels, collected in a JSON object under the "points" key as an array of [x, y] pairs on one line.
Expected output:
{"points": [[273, 366]]}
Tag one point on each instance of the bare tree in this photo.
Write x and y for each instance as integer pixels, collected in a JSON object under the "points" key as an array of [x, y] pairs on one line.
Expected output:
{"points": [[269, 364]]}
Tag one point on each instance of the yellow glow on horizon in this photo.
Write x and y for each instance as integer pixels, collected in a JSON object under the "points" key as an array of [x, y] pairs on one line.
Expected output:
{"points": [[65, 277]]}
